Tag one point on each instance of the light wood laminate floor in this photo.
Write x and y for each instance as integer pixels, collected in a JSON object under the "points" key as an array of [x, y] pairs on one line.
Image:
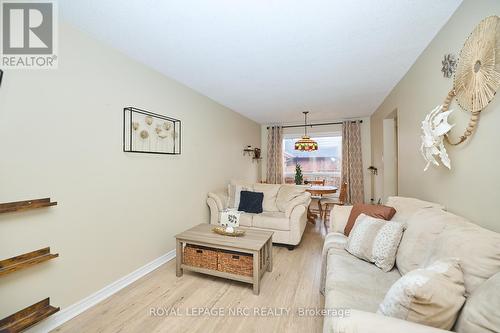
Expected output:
{"points": [[293, 283]]}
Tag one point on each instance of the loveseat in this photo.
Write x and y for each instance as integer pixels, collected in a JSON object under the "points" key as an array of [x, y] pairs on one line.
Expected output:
{"points": [[431, 234], [284, 210]]}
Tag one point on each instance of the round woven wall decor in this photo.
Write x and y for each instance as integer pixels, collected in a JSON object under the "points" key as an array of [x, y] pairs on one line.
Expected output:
{"points": [[478, 71], [477, 77]]}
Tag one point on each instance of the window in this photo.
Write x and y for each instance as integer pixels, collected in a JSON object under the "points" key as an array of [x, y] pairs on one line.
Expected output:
{"points": [[325, 163]]}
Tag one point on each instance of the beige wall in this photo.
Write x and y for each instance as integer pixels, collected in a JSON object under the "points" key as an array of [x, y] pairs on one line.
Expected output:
{"points": [[61, 136], [365, 147], [471, 187]]}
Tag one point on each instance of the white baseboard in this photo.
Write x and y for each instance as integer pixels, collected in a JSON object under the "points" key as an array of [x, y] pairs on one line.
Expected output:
{"points": [[74, 310]]}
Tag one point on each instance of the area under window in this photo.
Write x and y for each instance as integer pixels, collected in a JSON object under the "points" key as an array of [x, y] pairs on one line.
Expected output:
{"points": [[325, 163]]}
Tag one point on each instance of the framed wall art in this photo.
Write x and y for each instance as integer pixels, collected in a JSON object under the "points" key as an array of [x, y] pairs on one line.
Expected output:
{"points": [[151, 133]]}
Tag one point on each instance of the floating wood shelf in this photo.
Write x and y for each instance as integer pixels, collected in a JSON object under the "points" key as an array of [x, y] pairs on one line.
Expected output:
{"points": [[25, 260], [25, 205], [27, 317]]}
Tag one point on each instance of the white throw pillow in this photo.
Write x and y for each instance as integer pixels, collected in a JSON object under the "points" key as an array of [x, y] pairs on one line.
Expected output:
{"points": [[375, 240], [234, 194], [339, 217], [429, 296]]}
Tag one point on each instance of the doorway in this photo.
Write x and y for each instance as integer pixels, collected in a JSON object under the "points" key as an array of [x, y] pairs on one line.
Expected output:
{"points": [[390, 155]]}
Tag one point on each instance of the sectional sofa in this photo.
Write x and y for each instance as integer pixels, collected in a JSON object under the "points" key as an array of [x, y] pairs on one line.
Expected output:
{"points": [[431, 234]]}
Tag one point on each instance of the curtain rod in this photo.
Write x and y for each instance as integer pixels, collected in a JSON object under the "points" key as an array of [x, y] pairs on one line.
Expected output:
{"points": [[320, 124]]}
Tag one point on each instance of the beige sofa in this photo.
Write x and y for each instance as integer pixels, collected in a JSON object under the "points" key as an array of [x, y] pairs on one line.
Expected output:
{"points": [[285, 210], [431, 233]]}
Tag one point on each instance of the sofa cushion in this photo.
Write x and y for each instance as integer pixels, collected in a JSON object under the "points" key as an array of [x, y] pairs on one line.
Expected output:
{"points": [[270, 193], [406, 207], [377, 211], [234, 194], [422, 228], [429, 296], [286, 194], [480, 313], [355, 284], [335, 240], [271, 220], [303, 199], [246, 219], [477, 248], [375, 240], [338, 218]]}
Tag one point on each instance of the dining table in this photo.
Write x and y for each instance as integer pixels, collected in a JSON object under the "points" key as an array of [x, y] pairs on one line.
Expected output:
{"points": [[318, 191]]}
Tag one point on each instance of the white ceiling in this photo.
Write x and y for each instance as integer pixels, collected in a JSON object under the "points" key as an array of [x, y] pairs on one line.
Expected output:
{"points": [[271, 59]]}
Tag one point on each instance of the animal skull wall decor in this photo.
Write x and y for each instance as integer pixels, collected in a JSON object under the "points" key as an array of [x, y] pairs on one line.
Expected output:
{"points": [[434, 128]]}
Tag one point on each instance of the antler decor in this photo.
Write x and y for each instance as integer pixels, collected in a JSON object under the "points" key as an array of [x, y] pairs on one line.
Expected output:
{"points": [[476, 82]]}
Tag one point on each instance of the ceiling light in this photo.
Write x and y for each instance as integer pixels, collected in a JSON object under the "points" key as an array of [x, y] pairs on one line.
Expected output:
{"points": [[306, 143]]}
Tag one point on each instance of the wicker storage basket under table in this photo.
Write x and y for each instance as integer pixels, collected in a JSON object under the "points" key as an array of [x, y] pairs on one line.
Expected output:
{"points": [[235, 262], [200, 256]]}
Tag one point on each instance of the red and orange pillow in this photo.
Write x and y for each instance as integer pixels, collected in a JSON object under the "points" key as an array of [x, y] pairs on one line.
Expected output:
{"points": [[377, 211]]}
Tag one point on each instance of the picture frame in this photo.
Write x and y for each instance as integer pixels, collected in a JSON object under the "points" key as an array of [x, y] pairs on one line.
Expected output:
{"points": [[150, 133]]}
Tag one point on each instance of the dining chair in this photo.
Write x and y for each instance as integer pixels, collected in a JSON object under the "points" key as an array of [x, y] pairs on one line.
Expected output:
{"points": [[330, 201], [316, 182]]}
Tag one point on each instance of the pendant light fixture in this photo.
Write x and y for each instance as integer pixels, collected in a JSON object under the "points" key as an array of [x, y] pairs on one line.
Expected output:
{"points": [[306, 143]]}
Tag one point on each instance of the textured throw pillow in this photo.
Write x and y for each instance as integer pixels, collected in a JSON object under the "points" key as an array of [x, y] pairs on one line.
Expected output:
{"points": [[339, 217], [429, 296], [375, 240], [377, 211], [480, 313], [251, 202]]}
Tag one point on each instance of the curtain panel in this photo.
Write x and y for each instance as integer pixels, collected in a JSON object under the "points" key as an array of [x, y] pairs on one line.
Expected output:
{"points": [[275, 155], [352, 161]]}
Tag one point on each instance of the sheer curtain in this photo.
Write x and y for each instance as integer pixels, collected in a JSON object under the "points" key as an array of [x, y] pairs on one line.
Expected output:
{"points": [[275, 155], [352, 162]]}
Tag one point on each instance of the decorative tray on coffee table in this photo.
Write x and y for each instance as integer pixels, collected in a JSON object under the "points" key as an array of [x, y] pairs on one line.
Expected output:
{"points": [[222, 231]]}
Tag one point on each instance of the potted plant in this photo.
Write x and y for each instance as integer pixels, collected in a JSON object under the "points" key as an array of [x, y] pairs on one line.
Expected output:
{"points": [[298, 174]]}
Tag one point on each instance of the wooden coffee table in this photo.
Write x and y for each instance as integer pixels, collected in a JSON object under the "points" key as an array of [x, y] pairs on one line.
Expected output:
{"points": [[258, 243]]}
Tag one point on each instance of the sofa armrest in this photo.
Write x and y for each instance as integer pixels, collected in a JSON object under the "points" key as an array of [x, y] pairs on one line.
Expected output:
{"points": [[214, 211], [368, 322], [333, 240], [298, 221], [220, 197], [303, 199]]}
